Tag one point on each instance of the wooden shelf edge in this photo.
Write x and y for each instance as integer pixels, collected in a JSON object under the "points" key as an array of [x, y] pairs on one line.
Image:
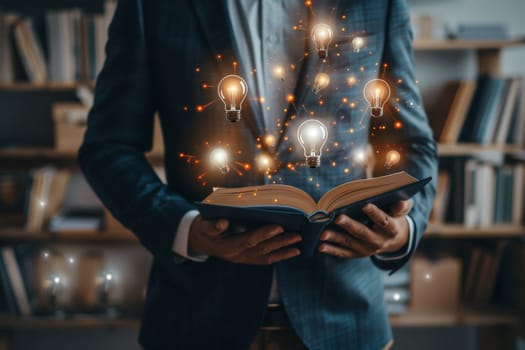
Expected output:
{"points": [[51, 86], [458, 44], [51, 154], [469, 149], [8, 322], [413, 318], [462, 231], [452, 318], [90, 236]]}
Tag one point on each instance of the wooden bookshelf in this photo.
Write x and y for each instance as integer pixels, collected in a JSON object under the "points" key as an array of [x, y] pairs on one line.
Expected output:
{"points": [[462, 231], [446, 231], [451, 318], [18, 235], [473, 149], [27, 86], [453, 44]]}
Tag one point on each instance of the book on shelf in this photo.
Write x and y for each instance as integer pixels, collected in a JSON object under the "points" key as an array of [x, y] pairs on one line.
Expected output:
{"points": [[13, 282], [30, 50], [438, 213], [296, 211], [80, 219], [75, 43], [45, 199], [448, 119], [14, 191], [484, 264], [493, 195], [486, 111]]}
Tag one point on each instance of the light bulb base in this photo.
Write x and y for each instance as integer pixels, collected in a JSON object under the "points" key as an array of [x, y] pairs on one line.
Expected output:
{"points": [[323, 53], [313, 161], [376, 112], [233, 116], [224, 170]]}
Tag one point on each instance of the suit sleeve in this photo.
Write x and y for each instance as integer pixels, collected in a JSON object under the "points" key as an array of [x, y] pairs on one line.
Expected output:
{"points": [[120, 128], [414, 137]]}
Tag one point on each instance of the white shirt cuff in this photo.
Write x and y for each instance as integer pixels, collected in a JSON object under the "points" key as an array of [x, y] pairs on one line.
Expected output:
{"points": [[402, 254], [180, 244]]}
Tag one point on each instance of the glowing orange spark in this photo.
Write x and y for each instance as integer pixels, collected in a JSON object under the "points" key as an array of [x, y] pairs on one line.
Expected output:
{"points": [[199, 108]]}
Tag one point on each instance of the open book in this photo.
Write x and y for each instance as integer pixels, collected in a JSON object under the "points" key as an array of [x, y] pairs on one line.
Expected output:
{"points": [[296, 211]]}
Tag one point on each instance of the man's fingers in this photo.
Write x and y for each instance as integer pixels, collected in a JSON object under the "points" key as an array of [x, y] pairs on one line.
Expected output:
{"points": [[337, 251], [253, 238], [213, 227], [359, 231], [381, 219], [345, 240], [276, 243], [280, 255], [402, 208]]}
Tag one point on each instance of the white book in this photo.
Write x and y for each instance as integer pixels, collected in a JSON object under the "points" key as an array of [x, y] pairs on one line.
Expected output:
{"points": [[485, 194], [500, 136]]}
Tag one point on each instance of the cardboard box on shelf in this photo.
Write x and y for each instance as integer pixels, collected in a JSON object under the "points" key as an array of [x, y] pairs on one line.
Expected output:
{"points": [[70, 126], [436, 284]]}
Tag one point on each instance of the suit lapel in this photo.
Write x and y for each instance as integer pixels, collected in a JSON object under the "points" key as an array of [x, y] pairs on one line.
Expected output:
{"points": [[212, 16]]}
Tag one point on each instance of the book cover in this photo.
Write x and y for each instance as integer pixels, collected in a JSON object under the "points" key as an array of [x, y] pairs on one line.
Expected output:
{"points": [[296, 211], [16, 281]]}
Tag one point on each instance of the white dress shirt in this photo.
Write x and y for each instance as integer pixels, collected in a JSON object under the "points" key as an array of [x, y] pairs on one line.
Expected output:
{"points": [[266, 42]]}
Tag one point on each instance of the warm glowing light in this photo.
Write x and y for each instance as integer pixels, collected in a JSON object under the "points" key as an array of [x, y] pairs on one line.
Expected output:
{"points": [[219, 158], [269, 140], [312, 135], [264, 162], [278, 72], [376, 93], [42, 203], [360, 156], [358, 43], [308, 3], [428, 276], [232, 91], [392, 158], [322, 35], [199, 108], [398, 125], [290, 98], [321, 81], [351, 81]]}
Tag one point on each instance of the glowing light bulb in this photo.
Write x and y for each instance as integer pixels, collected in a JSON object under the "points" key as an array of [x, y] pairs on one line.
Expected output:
{"points": [[376, 92], [360, 156], [392, 158], [219, 159], [321, 81], [264, 162], [312, 135], [232, 91], [278, 72], [322, 35], [358, 43]]}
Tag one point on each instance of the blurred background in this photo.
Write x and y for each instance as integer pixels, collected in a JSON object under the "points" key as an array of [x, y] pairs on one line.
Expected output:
{"points": [[72, 277]]}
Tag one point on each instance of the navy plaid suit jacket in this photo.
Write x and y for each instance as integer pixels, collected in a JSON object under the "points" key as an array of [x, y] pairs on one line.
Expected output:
{"points": [[159, 54]]}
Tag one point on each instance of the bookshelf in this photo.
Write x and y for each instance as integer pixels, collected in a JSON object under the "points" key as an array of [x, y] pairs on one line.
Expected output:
{"points": [[488, 53]]}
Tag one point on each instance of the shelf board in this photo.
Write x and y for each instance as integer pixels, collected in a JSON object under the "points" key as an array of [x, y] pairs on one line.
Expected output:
{"points": [[461, 231], [48, 86], [8, 322], [457, 45], [411, 318], [43, 154], [448, 231], [471, 149], [455, 318], [15, 235]]}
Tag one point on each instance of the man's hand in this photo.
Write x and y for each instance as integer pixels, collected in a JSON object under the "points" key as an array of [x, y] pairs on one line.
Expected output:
{"points": [[265, 245], [389, 233]]}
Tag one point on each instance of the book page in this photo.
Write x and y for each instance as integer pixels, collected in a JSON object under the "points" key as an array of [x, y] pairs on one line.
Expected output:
{"points": [[264, 195], [355, 191]]}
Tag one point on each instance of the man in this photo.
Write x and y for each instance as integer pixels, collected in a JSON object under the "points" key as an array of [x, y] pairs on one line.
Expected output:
{"points": [[207, 289]]}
